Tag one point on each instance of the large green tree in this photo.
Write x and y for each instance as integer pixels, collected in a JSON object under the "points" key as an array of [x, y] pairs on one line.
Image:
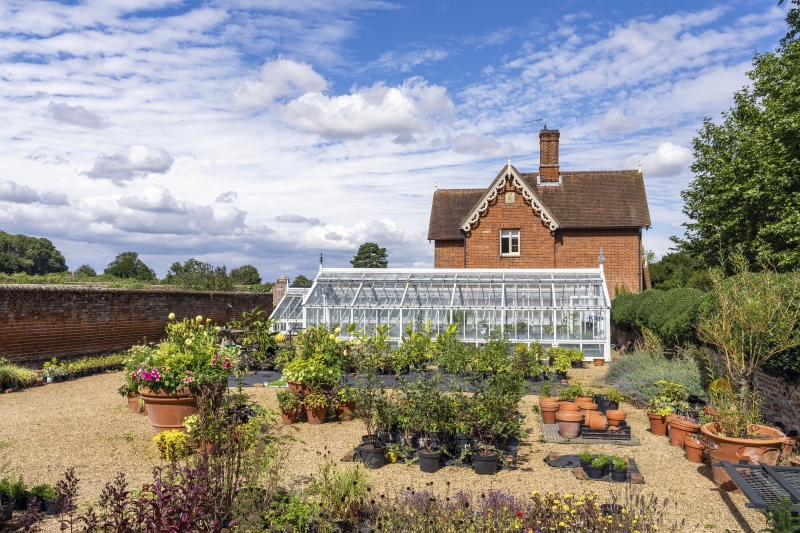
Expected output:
{"points": [[245, 275], [678, 270], [199, 276], [302, 281], [370, 255], [20, 253], [128, 265], [746, 191]]}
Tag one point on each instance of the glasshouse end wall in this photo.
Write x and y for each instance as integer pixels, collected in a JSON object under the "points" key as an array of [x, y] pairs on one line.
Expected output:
{"points": [[556, 307]]}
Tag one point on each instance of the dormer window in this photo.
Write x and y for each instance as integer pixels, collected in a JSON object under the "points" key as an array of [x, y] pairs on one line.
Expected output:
{"points": [[509, 242]]}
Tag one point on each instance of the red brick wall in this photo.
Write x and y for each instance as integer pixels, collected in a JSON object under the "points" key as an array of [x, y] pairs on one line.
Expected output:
{"points": [[536, 242], [40, 321], [580, 248], [780, 400], [448, 254]]}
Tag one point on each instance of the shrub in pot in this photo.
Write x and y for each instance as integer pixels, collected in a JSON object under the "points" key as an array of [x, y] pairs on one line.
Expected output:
{"points": [[290, 404], [619, 469], [586, 457], [370, 393], [430, 411], [317, 404], [6, 508], [596, 470], [18, 491]]}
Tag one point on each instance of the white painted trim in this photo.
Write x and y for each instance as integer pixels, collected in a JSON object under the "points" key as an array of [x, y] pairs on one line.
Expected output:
{"points": [[499, 184]]}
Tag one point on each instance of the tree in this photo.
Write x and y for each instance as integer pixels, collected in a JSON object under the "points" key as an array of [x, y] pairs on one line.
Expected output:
{"points": [[302, 281], [128, 265], [20, 253], [678, 270], [195, 275], [245, 275], [86, 271], [746, 191], [370, 255]]}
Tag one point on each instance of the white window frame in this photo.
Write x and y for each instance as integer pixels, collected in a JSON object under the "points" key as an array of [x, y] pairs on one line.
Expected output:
{"points": [[509, 234]]}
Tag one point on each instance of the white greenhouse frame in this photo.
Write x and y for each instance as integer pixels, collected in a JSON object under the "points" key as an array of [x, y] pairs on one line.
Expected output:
{"points": [[555, 307]]}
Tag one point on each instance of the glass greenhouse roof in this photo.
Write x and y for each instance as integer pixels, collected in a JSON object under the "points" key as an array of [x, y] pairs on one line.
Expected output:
{"points": [[567, 307]]}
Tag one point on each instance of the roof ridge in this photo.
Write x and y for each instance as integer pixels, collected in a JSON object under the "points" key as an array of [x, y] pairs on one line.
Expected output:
{"points": [[584, 172]]}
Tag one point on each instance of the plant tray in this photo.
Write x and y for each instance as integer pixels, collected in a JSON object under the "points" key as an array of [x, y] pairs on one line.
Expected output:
{"points": [[551, 435], [573, 462], [624, 433]]}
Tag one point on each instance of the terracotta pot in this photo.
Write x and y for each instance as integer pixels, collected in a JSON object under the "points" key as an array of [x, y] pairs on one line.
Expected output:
{"points": [[568, 406], [168, 411], [584, 399], [290, 417], [756, 451], [317, 416], [133, 403], [695, 449], [548, 401], [549, 413], [658, 424], [615, 416], [599, 361], [569, 424], [596, 421], [670, 418], [587, 406], [297, 386], [680, 429], [788, 446], [346, 411]]}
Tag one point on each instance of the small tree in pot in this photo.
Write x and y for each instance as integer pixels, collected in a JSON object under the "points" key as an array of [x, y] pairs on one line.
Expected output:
{"points": [[370, 392], [429, 407]]}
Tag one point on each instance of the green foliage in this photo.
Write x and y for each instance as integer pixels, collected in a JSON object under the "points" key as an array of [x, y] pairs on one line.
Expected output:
{"points": [[570, 393], [370, 255], [172, 444], [245, 275], [44, 492], [128, 265], [85, 271], [677, 270], [586, 456], [618, 463], [449, 353], [13, 376], [636, 374], [194, 275], [340, 491], [745, 163], [289, 401], [671, 315], [302, 281], [295, 511], [782, 518], [600, 460], [20, 253]]}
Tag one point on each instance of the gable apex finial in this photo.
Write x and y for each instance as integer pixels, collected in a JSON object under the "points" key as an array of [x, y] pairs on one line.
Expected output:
{"points": [[640, 166]]}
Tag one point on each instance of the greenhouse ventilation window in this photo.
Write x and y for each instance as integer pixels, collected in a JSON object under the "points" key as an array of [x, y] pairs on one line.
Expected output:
{"points": [[564, 307]]}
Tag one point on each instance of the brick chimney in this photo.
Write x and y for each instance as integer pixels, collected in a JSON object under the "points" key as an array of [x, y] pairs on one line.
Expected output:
{"points": [[548, 155]]}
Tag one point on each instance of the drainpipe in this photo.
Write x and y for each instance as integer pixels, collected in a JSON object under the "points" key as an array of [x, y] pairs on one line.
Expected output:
{"points": [[464, 236]]}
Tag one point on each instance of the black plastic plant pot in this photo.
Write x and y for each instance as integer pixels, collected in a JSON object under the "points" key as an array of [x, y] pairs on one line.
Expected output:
{"points": [[594, 472], [585, 464], [500, 441], [610, 508], [22, 503], [607, 469], [384, 437], [7, 509], [373, 457], [50, 507], [429, 461], [619, 476], [577, 364], [484, 465]]}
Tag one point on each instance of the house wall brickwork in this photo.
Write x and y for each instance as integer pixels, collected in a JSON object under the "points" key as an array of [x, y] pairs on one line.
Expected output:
{"points": [[540, 248], [781, 400], [38, 322]]}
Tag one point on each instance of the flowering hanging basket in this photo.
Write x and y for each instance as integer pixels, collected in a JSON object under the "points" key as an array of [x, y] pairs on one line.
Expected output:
{"points": [[168, 410]]}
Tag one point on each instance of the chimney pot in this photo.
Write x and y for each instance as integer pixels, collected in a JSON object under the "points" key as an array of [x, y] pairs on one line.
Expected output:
{"points": [[548, 155]]}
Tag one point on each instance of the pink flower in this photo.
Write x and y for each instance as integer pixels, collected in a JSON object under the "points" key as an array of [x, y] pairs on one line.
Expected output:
{"points": [[214, 360], [226, 364], [188, 379]]}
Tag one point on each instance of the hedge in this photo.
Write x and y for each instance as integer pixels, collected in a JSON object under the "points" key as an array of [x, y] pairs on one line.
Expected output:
{"points": [[670, 315]]}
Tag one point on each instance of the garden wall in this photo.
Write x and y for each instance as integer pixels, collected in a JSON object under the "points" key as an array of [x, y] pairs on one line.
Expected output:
{"points": [[38, 322], [781, 400]]}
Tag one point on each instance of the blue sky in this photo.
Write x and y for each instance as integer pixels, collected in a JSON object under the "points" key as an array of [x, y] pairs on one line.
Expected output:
{"points": [[264, 132]]}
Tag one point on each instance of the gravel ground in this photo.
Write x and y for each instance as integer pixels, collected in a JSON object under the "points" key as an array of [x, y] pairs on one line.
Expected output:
{"points": [[86, 424]]}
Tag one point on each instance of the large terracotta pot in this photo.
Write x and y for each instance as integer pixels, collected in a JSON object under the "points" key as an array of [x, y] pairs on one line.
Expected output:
{"points": [[168, 411], [289, 417], [568, 406], [596, 420], [569, 423], [680, 429], [658, 424], [756, 451], [316, 416], [297, 386], [670, 418], [133, 403], [346, 411], [584, 399], [695, 449], [548, 401], [615, 416], [549, 413]]}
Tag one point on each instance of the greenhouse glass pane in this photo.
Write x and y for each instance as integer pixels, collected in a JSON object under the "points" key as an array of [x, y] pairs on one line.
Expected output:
{"points": [[380, 294], [339, 316], [593, 350], [548, 329], [434, 295], [395, 326]]}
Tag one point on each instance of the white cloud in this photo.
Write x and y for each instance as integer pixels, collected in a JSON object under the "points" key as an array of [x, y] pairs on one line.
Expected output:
{"points": [[468, 143], [333, 236], [124, 167], [281, 77], [76, 115], [667, 160], [406, 61], [153, 198], [52, 198], [370, 110], [298, 219], [227, 197], [18, 194], [48, 158], [615, 121]]}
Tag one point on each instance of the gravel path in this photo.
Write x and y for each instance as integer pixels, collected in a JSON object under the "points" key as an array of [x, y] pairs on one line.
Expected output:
{"points": [[86, 424]]}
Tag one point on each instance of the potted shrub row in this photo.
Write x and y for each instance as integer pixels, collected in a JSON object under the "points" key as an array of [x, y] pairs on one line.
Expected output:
{"points": [[601, 465]]}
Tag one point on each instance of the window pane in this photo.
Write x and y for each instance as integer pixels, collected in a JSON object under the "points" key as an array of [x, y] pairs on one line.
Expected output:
{"points": [[515, 243], [504, 245]]}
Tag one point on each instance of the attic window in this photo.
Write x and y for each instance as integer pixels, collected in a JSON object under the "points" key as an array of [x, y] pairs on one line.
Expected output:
{"points": [[509, 242]]}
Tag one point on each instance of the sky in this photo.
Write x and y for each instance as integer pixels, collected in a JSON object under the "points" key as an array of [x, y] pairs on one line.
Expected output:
{"points": [[266, 132]]}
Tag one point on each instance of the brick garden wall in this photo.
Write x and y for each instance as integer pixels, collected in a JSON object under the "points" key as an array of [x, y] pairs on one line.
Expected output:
{"points": [[781, 400], [38, 322]]}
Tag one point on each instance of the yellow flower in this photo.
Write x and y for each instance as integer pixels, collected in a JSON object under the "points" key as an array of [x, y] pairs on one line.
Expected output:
{"points": [[171, 316], [199, 318], [331, 336], [217, 329], [188, 342], [562, 524], [337, 330]]}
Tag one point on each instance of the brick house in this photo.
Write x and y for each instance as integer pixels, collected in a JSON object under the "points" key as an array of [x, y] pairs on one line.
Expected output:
{"points": [[546, 219]]}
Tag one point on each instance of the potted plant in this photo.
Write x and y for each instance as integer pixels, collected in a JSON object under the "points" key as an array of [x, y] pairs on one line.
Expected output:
{"points": [[599, 361], [290, 404], [6, 508], [317, 404], [596, 470], [370, 391], [429, 406], [46, 495], [586, 457], [560, 361], [18, 491], [619, 469], [345, 405], [663, 404]]}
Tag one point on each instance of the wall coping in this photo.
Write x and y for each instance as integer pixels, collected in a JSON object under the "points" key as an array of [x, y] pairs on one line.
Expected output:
{"points": [[33, 287]]}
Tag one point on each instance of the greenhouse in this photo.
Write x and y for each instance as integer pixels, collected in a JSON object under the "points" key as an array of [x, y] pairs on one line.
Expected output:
{"points": [[558, 307]]}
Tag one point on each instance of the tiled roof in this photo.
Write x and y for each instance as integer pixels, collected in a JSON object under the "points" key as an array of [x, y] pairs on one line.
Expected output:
{"points": [[584, 199]]}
